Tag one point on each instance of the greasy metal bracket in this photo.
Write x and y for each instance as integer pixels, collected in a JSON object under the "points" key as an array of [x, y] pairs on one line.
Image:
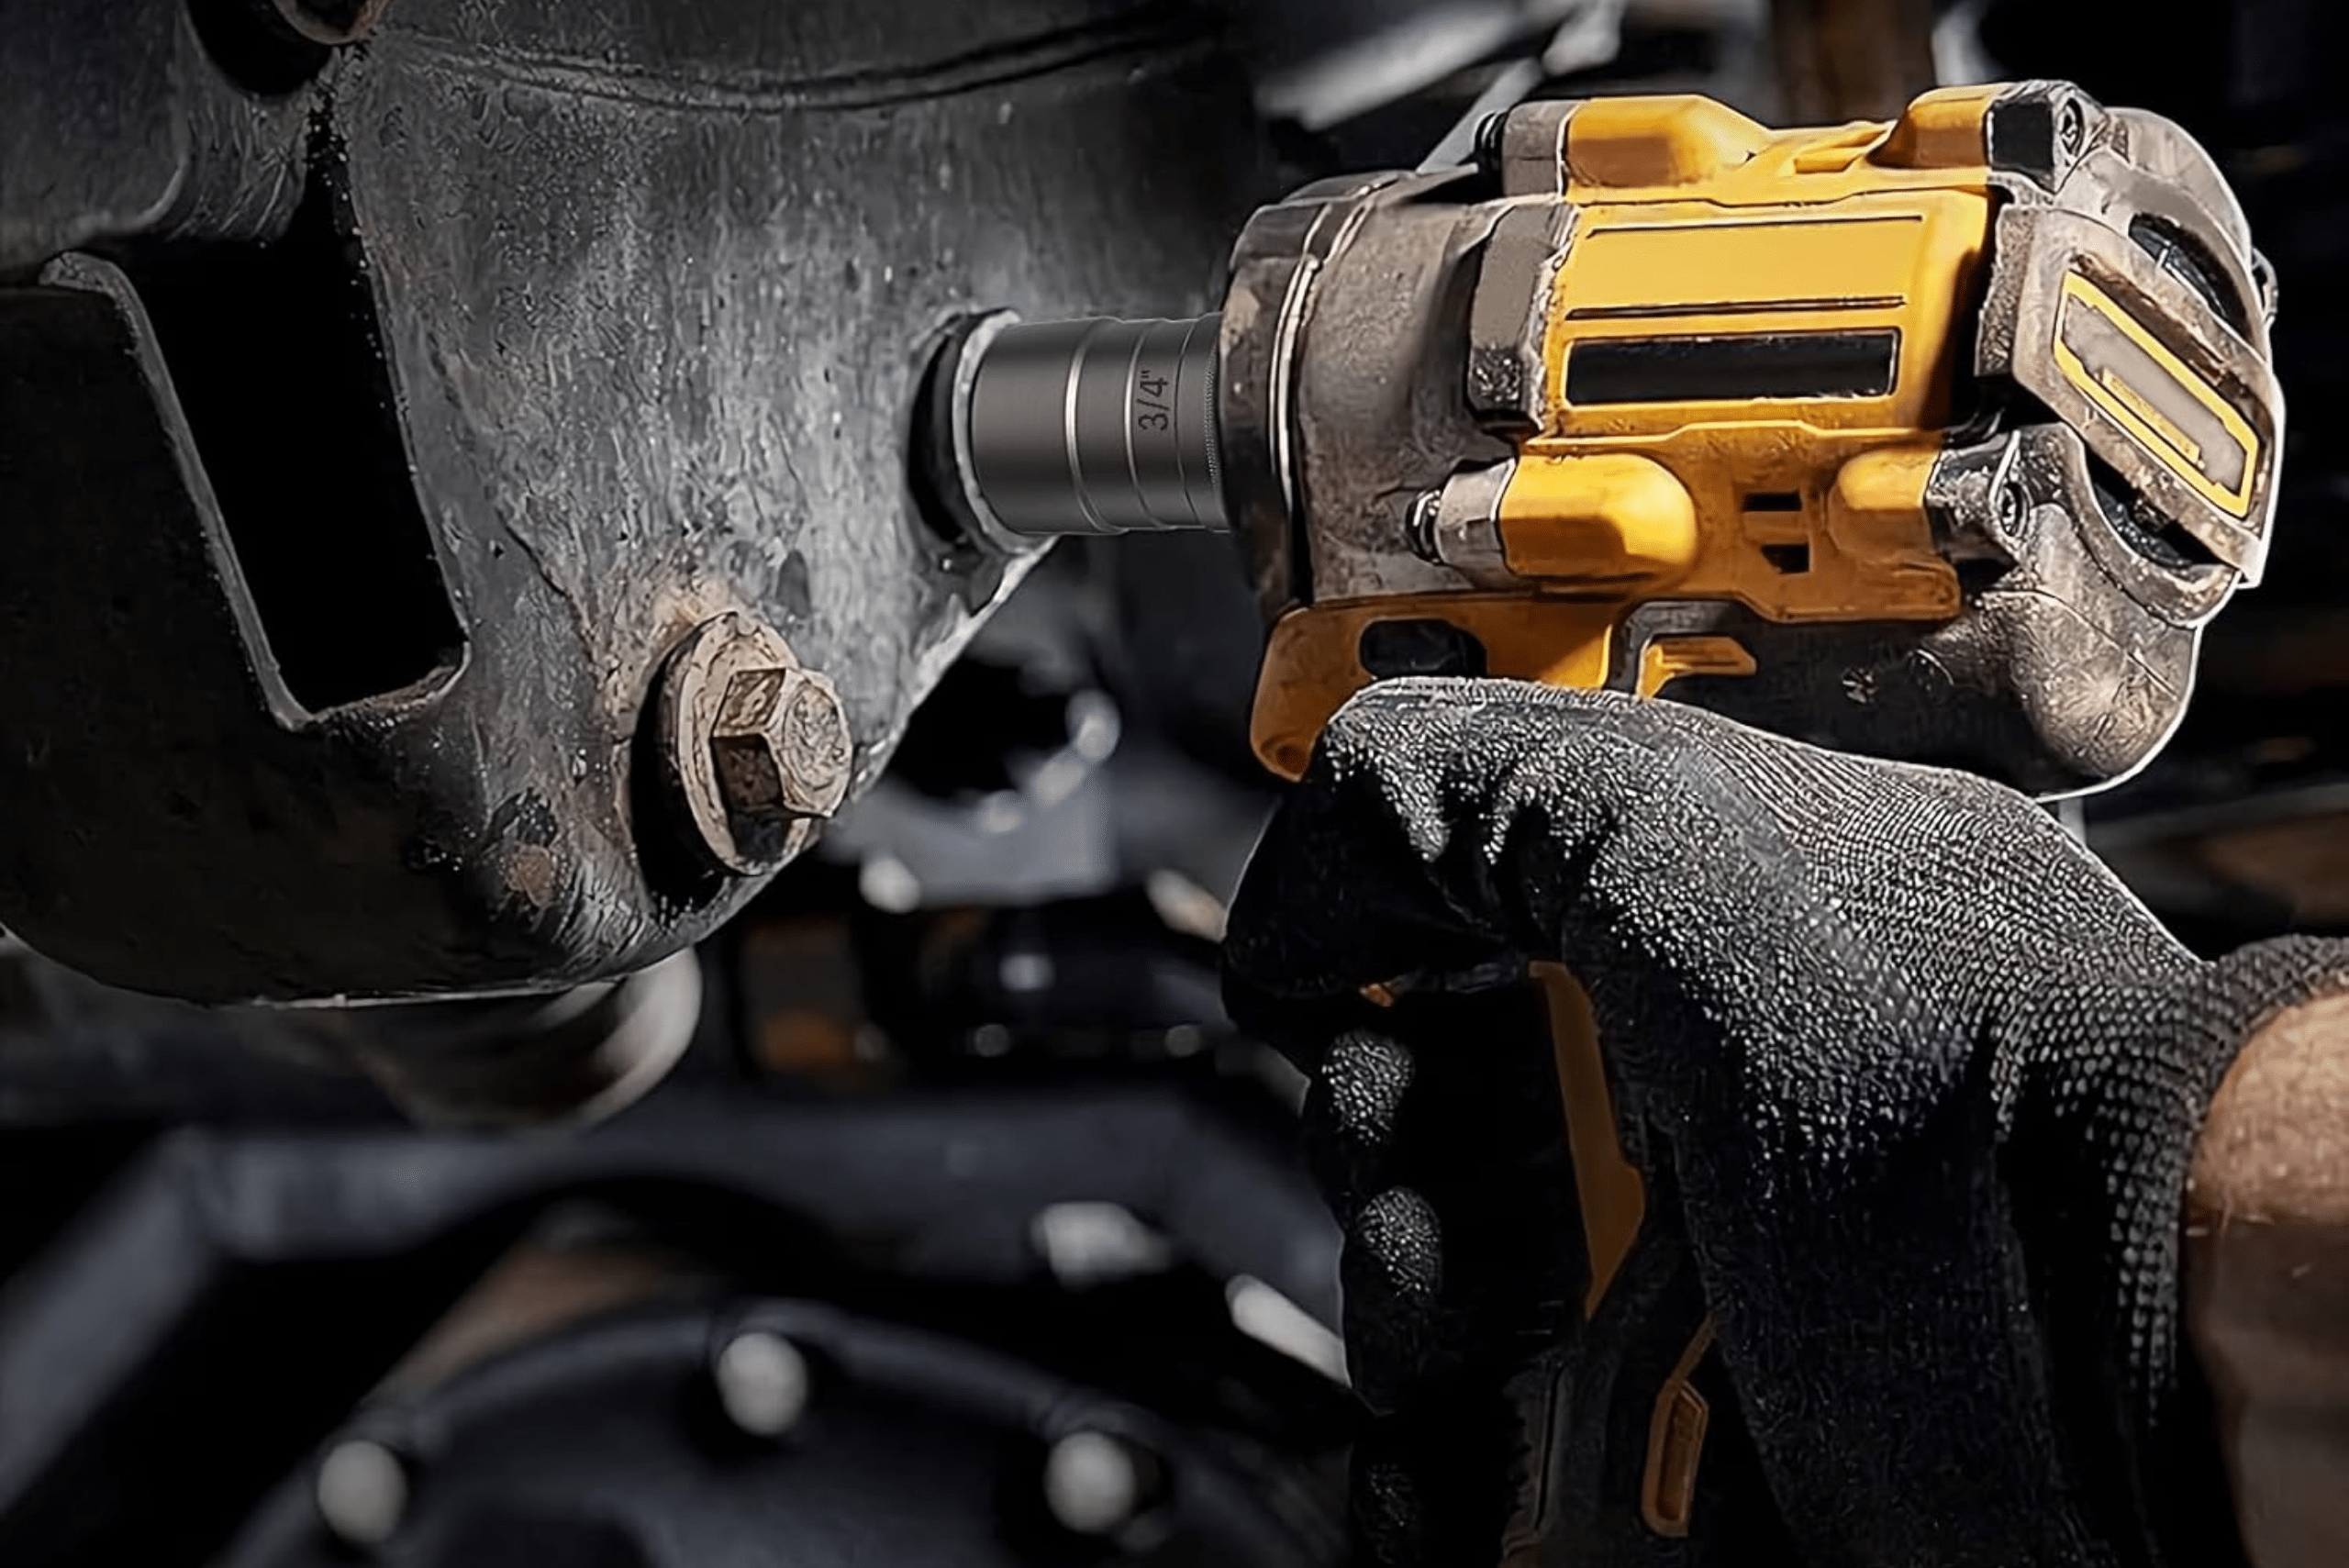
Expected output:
{"points": [[644, 302]]}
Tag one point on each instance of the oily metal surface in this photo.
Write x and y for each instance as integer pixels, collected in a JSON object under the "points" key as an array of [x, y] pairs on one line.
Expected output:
{"points": [[115, 121], [649, 288]]}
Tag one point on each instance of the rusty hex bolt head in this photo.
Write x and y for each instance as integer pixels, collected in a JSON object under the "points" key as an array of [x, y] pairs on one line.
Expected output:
{"points": [[781, 750], [758, 746]]}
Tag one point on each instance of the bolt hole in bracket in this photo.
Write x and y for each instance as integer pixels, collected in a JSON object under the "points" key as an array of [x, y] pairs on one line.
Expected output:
{"points": [[941, 474], [272, 47]]}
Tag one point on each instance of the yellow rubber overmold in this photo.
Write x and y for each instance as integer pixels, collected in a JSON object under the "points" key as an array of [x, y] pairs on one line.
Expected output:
{"points": [[1750, 349], [1754, 310]]}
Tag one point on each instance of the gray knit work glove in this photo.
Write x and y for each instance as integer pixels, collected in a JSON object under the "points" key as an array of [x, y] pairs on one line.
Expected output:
{"points": [[1912, 1080]]}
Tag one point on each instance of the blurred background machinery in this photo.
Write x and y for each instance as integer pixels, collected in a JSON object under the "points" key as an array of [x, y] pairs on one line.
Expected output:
{"points": [[964, 1227]]}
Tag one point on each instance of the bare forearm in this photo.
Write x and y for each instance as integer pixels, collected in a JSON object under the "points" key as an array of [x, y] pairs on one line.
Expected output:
{"points": [[2267, 1283]]}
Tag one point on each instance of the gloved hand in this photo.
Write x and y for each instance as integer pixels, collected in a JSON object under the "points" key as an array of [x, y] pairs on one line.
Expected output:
{"points": [[1913, 1083]]}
